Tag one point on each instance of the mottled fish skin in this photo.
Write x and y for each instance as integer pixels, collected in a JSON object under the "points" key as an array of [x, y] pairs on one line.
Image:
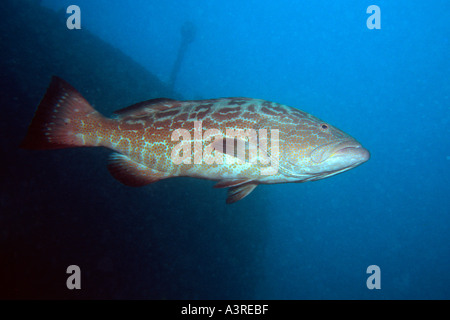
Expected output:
{"points": [[142, 135]]}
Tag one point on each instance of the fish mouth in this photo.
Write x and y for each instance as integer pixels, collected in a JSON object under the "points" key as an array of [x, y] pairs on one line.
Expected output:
{"points": [[351, 150]]}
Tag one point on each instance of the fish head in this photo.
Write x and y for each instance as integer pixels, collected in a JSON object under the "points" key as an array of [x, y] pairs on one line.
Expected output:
{"points": [[314, 149]]}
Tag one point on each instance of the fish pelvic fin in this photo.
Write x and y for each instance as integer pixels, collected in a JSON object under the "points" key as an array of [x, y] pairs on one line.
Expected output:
{"points": [[240, 192], [228, 183], [132, 173], [62, 119]]}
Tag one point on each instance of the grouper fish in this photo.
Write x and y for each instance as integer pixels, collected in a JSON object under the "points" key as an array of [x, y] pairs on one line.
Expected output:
{"points": [[239, 142]]}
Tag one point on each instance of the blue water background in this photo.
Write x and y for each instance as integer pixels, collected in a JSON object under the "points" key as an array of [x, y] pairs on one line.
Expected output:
{"points": [[388, 88]]}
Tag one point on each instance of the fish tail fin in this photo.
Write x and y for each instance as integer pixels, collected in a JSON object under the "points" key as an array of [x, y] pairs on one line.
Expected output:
{"points": [[63, 119]]}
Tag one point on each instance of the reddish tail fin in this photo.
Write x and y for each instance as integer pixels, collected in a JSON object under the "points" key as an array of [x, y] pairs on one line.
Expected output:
{"points": [[60, 118]]}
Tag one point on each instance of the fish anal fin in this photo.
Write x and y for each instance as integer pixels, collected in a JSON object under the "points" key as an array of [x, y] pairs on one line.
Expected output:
{"points": [[132, 173], [239, 192], [145, 107], [227, 183]]}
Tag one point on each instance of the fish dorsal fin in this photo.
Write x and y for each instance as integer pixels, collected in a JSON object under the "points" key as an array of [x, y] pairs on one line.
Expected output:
{"points": [[240, 192], [132, 173], [145, 107]]}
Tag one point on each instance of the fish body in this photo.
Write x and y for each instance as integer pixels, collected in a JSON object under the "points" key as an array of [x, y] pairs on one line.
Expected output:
{"points": [[240, 142]]}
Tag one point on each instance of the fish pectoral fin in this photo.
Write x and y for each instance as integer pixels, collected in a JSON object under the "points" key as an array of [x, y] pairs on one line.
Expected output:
{"points": [[132, 173], [232, 146], [239, 192], [227, 183]]}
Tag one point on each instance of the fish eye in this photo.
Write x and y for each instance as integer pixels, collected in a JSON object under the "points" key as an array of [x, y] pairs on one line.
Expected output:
{"points": [[324, 126]]}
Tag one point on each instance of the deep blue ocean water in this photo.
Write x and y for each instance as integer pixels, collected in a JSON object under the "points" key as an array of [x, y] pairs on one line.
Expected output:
{"points": [[388, 88]]}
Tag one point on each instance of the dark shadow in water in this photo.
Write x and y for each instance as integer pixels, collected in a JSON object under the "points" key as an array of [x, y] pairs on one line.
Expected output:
{"points": [[187, 31], [173, 239]]}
